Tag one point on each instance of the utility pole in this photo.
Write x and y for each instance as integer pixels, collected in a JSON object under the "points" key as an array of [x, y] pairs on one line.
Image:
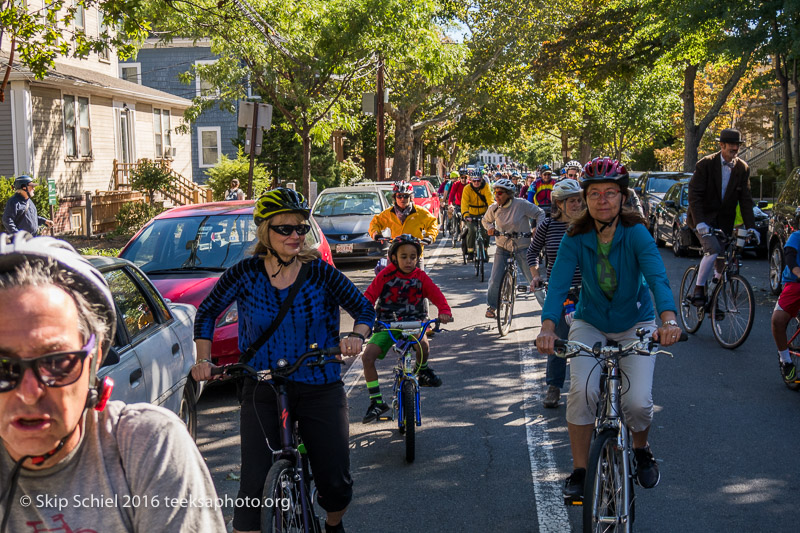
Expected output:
{"points": [[379, 125], [252, 152]]}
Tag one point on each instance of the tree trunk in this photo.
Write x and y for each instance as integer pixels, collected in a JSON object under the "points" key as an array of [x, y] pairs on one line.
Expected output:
{"points": [[403, 146], [416, 156], [306, 163], [585, 142], [778, 65], [690, 130]]}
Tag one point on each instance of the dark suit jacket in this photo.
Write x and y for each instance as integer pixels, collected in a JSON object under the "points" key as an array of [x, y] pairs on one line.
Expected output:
{"points": [[705, 195]]}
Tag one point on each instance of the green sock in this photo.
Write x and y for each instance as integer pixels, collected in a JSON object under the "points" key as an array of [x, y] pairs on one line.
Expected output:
{"points": [[374, 389]]}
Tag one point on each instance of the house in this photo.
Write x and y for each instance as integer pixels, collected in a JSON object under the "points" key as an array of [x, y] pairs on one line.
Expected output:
{"points": [[159, 65], [81, 119]]}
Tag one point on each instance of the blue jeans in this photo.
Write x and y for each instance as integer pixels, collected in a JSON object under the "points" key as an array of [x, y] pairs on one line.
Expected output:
{"points": [[499, 268]]}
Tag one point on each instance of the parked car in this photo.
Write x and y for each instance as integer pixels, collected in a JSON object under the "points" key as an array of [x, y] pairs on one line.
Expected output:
{"points": [[635, 179], [783, 220], [186, 249], [151, 356], [670, 225], [344, 214], [425, 196], [651, 188], [435, 181]]}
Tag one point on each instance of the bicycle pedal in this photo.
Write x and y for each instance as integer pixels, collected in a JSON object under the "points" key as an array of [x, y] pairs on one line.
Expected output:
{"points": [[573, 501], [386, 418]]}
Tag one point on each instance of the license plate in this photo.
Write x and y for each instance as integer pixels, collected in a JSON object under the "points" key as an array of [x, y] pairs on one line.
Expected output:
{"points": [[344, 248]]}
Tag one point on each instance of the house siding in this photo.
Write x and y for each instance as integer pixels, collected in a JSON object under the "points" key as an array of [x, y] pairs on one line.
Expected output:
{"points": [[6, 140]]}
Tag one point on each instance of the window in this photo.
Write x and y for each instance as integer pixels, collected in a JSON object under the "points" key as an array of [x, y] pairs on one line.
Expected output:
{"points": [[204, 88], [136, 312], [80, 17], [209, 139], [104, 54], [162, 132], [77, 133], [131, 72]]}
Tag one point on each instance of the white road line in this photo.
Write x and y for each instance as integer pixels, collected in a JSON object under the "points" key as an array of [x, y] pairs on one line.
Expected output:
{"points": [[353, 375], [546, 483], [431, 262]]}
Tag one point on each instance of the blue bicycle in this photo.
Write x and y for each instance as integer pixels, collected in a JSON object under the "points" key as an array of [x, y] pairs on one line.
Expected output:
{"points": [[405, 404]]}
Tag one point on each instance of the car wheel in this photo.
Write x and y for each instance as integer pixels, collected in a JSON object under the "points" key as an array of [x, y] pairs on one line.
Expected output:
{"points": [[188, 409], [775, 268], [677, 249], [659, 241]]}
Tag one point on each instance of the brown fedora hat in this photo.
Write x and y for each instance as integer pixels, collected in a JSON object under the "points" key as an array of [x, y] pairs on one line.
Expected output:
{"points": [[730, 135]]}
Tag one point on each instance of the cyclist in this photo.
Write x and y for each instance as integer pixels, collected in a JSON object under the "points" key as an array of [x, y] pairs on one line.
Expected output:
{"points": [[567, 207], [573, 170], [257, 285], [788, 304], [20, 212], [523, 193], [539, 192], [405, 217], [400, 291], [60, 434], [620, 265], [508, 214], [720, 182], [475, 201], [444, 193]]}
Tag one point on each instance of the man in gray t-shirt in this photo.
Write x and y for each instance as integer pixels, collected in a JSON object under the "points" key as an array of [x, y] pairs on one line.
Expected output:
{"points": [[68, 461]]}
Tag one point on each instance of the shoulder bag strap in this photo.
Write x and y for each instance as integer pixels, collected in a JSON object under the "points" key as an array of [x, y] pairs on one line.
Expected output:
{"points": [[287, 303]]}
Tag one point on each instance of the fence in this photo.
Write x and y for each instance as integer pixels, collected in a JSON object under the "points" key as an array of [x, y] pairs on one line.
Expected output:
{"points": [[103, 207], [182, 192]]}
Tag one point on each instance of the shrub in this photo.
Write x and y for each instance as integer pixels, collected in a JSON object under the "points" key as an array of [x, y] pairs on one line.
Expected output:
{"points": [[350, 172], [226, 169], [150, 177], [108, 252], [132, 216]]}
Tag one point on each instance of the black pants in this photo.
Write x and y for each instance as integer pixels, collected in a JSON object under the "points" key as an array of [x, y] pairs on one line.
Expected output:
{"points": [[322, 414]]}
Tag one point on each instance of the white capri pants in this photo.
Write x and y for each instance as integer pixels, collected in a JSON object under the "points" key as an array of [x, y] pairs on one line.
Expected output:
{"points": [[637, 378]]}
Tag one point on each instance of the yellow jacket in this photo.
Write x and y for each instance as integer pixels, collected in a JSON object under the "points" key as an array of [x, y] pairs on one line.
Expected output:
{"points": [[419, 220], [473, 202]]}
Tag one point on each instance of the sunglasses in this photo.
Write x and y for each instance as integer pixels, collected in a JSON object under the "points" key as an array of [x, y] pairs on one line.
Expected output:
{"points": [[52, 370], [399, 195], [572, 175], [287, 229]]}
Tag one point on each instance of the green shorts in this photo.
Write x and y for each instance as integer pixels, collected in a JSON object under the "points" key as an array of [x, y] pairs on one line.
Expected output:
{"points": [[382, 340]]}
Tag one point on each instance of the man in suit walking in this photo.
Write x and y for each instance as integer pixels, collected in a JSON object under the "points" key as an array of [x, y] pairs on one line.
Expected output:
{"points": [[721, 181]]}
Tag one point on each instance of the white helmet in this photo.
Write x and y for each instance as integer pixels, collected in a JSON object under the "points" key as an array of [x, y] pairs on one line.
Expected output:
{"points": [[574, 164], [565, 189], [507, 184]]}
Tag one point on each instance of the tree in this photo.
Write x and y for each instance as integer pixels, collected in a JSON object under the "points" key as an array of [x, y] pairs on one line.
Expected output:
{"points": [[150, 176]]}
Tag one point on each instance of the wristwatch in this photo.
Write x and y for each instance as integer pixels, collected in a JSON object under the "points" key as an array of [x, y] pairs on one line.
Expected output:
{"points": [[357, 335], [670, 323]]}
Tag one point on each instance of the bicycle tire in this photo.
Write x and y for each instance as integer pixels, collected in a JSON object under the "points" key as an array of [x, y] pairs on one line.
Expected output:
{"points": [[505, 303], [604, 491], [282, 486], [793, 336], [735, 298], [691, 317], [409, 419]]}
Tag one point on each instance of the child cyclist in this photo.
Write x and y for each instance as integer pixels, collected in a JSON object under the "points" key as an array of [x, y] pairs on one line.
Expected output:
{"points": [[400, 290], [788, 303]]}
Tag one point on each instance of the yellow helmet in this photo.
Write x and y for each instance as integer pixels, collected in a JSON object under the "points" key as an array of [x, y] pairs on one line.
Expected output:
{"points": [[281, 200]]}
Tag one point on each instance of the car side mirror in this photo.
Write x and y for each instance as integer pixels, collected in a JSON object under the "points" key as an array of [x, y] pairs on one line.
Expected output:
{"points": [[762, 204], [670, 203], [637, 190], [112, 357]]}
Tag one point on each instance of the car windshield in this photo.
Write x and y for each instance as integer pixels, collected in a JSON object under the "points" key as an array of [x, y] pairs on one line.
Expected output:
{"points": [[659, 185], [200, 242], [420, 191], [347, 203]]}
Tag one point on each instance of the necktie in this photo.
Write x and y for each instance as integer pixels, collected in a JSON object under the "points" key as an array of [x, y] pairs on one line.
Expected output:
{"points": [[728, 164]]}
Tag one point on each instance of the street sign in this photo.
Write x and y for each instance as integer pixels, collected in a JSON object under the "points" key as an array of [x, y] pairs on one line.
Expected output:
{"points": [[259, 140], [246, 112], [51, 191]]}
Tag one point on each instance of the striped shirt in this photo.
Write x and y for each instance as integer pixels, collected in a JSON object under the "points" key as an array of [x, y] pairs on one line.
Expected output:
{"points": [[548, 236], [312, 318]]}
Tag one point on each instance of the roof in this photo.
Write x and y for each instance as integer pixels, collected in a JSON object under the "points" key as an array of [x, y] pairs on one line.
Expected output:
{"points": [[239, 207], [69, 75]]}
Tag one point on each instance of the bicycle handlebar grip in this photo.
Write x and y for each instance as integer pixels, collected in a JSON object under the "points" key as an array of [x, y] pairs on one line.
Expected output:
{"points": [[684, 337], [333, 350], [218, 370]]}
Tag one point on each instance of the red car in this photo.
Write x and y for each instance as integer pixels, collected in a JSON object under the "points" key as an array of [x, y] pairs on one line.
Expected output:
{"points": [[186, 249], [426, 196]]}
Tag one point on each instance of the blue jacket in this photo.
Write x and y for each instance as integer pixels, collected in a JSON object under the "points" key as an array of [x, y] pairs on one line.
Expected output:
{"points": [[638, 265], [20, 215]]}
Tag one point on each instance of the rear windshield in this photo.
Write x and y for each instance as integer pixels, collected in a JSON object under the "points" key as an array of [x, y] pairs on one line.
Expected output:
{"points": [[347, 203]]}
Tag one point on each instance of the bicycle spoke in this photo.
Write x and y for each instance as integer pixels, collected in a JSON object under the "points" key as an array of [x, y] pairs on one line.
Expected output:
{"points": [[732, 313]]}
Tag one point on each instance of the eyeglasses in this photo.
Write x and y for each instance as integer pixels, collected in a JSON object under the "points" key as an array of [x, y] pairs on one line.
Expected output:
{"points": [[611, 194], [52, 370], [287, 229], [403, 196]]}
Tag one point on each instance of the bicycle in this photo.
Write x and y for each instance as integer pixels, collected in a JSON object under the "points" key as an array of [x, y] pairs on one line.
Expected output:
{"points": [[507, 294], [732, 304], [406, 402], [289, 490], [793, 336], [481, 244], [611, 472], [455, 225]]}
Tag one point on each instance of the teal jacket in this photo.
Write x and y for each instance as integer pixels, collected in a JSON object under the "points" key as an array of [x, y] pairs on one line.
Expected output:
{"points": [[638, 265]]}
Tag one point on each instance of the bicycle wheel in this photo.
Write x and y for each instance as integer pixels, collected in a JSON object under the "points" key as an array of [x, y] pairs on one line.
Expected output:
{"points": [[505, 303], [793, 336], [606, 487], [733, 309], [409, 418], [283, 508], [691, 316]]}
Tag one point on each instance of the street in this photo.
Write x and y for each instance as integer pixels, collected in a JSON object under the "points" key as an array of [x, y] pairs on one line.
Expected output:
{"points": [[491, 458]]}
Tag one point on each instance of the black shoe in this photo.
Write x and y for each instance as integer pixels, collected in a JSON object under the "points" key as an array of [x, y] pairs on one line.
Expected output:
{"points": [[428, 378], [787, 371], [699, 297], [374, 411], [470, 257], [647, 473], [338, 528], [552, 397], [573, 487]]}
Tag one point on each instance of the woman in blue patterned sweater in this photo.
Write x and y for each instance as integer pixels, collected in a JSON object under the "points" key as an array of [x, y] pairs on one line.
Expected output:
{"points": [[258, 285]]}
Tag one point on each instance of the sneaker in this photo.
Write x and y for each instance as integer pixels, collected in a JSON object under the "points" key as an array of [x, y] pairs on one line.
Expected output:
{"points": [[470, 257], [647, 473], [428, 378], [374, 411], [699, 297], [787, 371], [573, 487], [490, 313], [552, 397]]}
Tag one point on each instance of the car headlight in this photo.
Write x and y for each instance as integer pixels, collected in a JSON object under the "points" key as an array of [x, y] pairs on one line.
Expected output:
{"points": [[231, 316]]}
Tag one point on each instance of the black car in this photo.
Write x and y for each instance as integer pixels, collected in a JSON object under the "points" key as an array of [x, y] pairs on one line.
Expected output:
{"points": [[670, 225], [782, 222], [651, 187]]}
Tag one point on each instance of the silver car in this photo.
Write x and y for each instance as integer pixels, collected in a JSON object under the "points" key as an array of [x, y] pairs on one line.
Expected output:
{"points": [[153, 350]]}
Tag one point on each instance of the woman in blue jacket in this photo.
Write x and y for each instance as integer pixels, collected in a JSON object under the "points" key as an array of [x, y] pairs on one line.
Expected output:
{"points": [[620, 265]]}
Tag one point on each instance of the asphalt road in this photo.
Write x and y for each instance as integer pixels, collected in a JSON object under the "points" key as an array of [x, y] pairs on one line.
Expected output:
{"points": [[491, 458]]}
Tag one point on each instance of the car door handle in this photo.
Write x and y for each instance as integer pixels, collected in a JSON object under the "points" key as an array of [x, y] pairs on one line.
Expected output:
{"points": [[175, 348], [136, 375]]}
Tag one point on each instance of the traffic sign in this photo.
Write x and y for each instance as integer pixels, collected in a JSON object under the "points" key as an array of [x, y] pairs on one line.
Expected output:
{"points": [[51, 191]]}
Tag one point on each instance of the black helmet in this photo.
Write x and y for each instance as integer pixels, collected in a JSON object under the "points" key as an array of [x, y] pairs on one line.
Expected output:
{"points": [[400, 240], [22, 181], [280, 200]]}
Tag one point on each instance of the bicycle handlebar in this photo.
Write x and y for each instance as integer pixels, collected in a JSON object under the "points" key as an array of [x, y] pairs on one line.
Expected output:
{"points": [[515, 234], [284, 369], [411, 325], [568, 349]]}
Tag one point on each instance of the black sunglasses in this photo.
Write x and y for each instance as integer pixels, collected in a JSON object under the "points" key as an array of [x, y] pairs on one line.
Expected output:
{"points": [[52, 370], [399, 195], [287, 229]]}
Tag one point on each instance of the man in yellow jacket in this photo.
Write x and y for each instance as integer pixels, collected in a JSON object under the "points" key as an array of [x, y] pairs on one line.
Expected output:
{"points": [[475, 200], [405, 218]]}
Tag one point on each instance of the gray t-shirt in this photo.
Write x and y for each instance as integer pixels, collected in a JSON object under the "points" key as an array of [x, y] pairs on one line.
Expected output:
{"points": [[515, 216], [135, 469]]}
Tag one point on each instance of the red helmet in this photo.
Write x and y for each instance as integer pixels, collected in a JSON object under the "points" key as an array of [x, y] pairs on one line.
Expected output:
{"points": [[418, 173], [605, 169], [402, 187]]}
